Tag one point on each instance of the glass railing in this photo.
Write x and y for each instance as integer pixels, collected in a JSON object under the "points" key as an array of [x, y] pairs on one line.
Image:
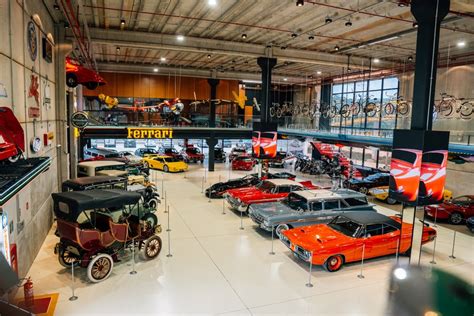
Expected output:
{"points": [[157, 119]]}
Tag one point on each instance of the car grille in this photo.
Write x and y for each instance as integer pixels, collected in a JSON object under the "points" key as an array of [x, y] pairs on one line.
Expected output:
{"points": [[256, 218], [232, 200], [301, 252]]}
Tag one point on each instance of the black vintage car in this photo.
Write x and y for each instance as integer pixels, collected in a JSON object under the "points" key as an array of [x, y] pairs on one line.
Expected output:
{"points": [[278, 161], [219, 154], [363, 185], [218, 189]]}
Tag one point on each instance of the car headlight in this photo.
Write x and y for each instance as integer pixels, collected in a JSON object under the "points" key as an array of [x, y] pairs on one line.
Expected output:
{"points": [[266, 223]]}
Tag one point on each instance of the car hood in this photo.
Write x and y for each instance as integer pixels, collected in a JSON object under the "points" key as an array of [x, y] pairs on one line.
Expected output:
{"points": [[247, 195], [272, 209], [316, 237]]}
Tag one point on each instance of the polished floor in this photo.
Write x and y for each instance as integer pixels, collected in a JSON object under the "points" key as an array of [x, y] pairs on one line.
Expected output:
{"points": [[218, 268]]}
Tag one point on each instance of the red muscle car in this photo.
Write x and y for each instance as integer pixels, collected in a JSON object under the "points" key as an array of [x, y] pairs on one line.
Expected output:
{"points": [[266, 191], [193, 154], [455, 211], [268, 144], [256, 143], [12, 142], [77, 74], [405, 174], [348, 237], [433, 176], [243, 163]]}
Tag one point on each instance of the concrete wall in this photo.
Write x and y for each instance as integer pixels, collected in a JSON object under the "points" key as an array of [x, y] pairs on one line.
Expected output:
{"points": [[30, 210]]}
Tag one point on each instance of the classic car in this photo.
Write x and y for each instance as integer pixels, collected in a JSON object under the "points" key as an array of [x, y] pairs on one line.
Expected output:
{"points": [[256, 143], [278, 161], [77, 74], [165, 163], [130, 156], [433, 176], [268, 144], [455, 211], [95, 226], [363, 185], [245, 163], [405, 174], [470, 224], [219, 154], [307, 207], [350, 237], [12, 143], [266, 191], [172, 152], [381, 194], [101, 167], [142, 152], [193, 154], [218, 189], [236, 152]]}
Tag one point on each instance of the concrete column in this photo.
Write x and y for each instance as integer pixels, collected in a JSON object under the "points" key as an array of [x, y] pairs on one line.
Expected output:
{"points": [[213, 82], [428, 14], [266, 64]]}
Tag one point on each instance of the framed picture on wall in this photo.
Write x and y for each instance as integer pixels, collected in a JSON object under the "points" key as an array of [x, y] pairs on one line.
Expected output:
{"points": [[47, 50]]}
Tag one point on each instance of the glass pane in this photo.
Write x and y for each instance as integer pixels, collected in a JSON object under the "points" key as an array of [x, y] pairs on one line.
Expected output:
{"points": [[349, 87], [361, 85], [337, 88], [390, 83], [375, 84]]}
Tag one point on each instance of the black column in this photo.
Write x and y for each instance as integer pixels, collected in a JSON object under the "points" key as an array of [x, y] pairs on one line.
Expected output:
{"points": [[325, 101], [212, 113], [428, 14], [266, 64], [211, 142]]}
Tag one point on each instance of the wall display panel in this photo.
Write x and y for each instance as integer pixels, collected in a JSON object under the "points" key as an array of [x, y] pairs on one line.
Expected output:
{"points": [[5, 82]]}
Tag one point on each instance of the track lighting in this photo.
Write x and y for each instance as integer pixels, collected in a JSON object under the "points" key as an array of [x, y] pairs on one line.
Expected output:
{"points": [[122, 22], [410, 58], [328, 20], [336, 48], [310, 77], [311, 37], [461, 44], [209, 56], [348, 23], [415, 24], [244, 36], [155, 69], [118, 49], [294, 35], [299, 3], [349, 69]]}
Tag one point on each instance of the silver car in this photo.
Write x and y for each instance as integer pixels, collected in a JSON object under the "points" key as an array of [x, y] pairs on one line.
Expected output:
{"points": [[305, 208]]}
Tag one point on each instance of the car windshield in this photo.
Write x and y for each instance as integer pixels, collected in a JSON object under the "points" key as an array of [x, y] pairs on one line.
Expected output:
{"points": [[436, 158], [149, 151], [268, 135], [239, 150], [193, 150], [171, 159], [296, 202], [404, 155], [266, 186], [112, 155], [345, 226]]}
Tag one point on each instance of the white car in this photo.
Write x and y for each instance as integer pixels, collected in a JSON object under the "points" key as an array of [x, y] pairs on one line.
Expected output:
{"points": [[130, 156]]}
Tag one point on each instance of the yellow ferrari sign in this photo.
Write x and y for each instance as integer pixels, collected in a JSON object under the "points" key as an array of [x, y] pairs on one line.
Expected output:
{"points": [[149, 133]]}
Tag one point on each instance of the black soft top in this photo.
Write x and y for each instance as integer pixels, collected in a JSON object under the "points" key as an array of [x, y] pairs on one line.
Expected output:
{"points": [[370, 217], [84, 181], [68, 205]]}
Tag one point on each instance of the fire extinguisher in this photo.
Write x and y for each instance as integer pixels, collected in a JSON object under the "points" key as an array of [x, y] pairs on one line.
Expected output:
{"points": [[28, 292]]}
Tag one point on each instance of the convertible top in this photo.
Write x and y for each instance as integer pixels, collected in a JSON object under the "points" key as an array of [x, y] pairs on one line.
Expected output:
{"points": [[68, 205], [92, 180], [369, 217]]}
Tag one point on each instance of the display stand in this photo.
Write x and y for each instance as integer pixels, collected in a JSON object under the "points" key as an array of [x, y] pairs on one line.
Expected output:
{"points": [[309, 284], [433, 261], [168, 230], [241, 221], [133, 272], [271, 251], [73, 296], [166, 211], [361, 275], [454, 243], [223, 206]]}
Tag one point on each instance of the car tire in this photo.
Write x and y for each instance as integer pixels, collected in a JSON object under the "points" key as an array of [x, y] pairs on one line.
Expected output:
{"points": [[100, 268], [71, 80], [151, 219], [455, 218], [152, 247], [363, 190], [166, 168], [91, 85], [153, 203], [334, 263], [281, 228], [65, 258], [391, 201], [146, 165]]}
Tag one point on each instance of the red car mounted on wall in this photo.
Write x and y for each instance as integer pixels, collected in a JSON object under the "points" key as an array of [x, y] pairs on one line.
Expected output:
{"points": [[77, 74], [245, 163], [12, 142]]}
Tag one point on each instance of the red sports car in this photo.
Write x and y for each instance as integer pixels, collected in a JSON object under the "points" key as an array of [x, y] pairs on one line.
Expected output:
{"points": [[243, 163], [405, 174], [455, 211], [266, 191], [268, 144], [171, 152], [12, 142], [77, 74], [433, 176], [256, 143], [348, 237], [194, 154]]}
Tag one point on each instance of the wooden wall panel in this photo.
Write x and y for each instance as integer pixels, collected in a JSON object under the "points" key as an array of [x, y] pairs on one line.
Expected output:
{"points": [[203, 91], [157, 86]]}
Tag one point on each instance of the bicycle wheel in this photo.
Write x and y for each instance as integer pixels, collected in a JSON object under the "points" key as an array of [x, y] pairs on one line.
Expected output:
{"points": [[355, 109], [403, 108], [446, 109], [272, 111], [371, 109], [466, 110], [389, 108], [279, 112], [333, 111], [345, 110]]}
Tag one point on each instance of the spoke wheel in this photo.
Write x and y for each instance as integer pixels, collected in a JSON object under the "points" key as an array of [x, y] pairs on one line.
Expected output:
{"points": [[146, 165], [334, 263], [100, 268], [151, 219], [363, 190], [455, 218], [152, 247], [66, 258]]}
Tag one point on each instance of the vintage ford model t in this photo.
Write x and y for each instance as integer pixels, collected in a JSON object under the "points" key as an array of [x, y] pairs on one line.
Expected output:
{"points": [[94, 226]]}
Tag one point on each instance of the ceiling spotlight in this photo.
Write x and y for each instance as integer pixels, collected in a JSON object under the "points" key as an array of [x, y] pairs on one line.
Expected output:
{"points": [[401, 4], [336, 48], [349, 69], [209, 56], [118, 49], [155, 69], [293, 35], [461, 44], [328, 20], [319, 72], [376, 60], [244, 36], [348, 23], [311, 37], [415, 24], [122, 22], [66, 25], [283, 47], [212, 3], [180, 38], [299, 3], [410, 58], [56, 6], [163, 59], [285, 79], [310, 77]]}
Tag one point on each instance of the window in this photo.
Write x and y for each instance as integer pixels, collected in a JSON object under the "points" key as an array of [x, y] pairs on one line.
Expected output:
{"points": [[317, 206], [356, 201], [296, 202], [373, 230], [330, 205], [284, 189], [387, 229]]}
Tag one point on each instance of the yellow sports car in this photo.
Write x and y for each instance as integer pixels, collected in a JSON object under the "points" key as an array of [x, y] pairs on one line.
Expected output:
{"points": [[381, 193], [165, 163]]}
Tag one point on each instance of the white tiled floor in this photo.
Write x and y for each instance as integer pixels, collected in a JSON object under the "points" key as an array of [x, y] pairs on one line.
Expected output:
{"points": [[216, 268]]}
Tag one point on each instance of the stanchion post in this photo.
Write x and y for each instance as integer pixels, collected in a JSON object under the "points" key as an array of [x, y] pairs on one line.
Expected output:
{"points": [[166, 203], [436, 216], [162, 185], [73, 296], [361, 275], [223, 206], [168, 229], [241, 221], [398, 246], [202, 185], [309, 284], [209, 194], [133, 258], [434, 252], [230, 167], [452, 250], [271, 251]]}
